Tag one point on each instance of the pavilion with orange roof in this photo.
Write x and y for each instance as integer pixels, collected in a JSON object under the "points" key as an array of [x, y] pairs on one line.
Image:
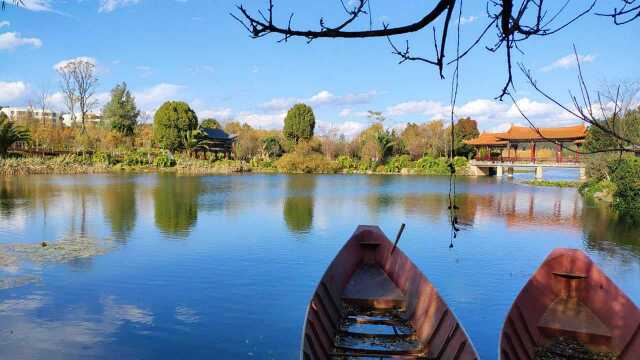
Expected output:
{"points": [[568, 136]]}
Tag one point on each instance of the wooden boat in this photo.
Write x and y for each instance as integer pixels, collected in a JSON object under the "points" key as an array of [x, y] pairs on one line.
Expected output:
{"points": [[375, 303], [570, 297]]}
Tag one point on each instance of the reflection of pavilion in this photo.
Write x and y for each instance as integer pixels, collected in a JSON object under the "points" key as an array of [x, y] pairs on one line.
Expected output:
{"points": [[500, 150]]}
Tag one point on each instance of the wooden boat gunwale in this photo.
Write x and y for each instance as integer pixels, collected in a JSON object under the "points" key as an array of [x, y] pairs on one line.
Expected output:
{"points": [[423, 306], [592, 278]]}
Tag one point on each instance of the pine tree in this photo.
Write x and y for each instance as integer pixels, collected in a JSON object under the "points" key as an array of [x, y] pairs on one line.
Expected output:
{"points": [[121, 111]]}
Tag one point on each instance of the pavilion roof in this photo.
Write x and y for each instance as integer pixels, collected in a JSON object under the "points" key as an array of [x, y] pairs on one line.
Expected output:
{"points": [[518, 133], [523, 133], [487, 139]]}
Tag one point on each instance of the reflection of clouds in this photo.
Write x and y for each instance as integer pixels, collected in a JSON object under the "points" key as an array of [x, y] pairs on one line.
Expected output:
{"points": [[187, 315], [124, 312], [71, 334], [19, 306]]}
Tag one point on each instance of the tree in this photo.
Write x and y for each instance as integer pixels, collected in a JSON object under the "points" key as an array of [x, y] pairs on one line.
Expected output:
{"points": [[271, 147], [43, 101], [78, 84], [121, 111], [172, 124], [10, 134], [464, 129], [210, 123], [299, 123], [415, 140]]}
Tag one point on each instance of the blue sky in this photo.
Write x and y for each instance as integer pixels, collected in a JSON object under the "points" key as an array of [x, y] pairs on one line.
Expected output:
{"points": [[192, 50]]}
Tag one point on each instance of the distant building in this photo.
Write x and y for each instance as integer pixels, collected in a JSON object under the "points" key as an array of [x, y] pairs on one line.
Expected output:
{"points": [[27, 114], [90, 119]]}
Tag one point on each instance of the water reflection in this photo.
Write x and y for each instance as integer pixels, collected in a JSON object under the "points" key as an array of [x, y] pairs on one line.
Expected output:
{"points": [[176, 204], [298, 204], [119, 208], [611, 233]]}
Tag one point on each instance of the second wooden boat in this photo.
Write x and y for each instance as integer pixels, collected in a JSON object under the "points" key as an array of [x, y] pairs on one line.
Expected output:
{"points": [[570, 298], [375, 303]]}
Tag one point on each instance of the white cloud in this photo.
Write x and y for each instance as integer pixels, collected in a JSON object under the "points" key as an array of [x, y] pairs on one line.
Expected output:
{"points": [[567, 62], [64, 63], [323, 97], [433, 109], [263, 121], [219, 114], [37, 5], [4, 23], [153, 97], [111, 5], [12, 91], [468, 19], [349, 129], [12, 40], [345, 112], [490, 114]]}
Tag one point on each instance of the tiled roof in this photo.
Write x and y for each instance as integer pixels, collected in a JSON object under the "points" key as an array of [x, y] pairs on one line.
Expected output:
{"points": [[487, 139], [561, 133], [522, 133]]}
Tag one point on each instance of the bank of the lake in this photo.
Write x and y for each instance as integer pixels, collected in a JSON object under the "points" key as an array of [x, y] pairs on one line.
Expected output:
{"points": [[184, 164]]}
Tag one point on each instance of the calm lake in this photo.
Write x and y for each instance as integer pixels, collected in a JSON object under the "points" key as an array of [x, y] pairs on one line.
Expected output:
{"points": [[223, 266]]}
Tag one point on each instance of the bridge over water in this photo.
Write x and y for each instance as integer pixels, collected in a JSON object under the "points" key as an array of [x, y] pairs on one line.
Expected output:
{"points": [[501, 167]]}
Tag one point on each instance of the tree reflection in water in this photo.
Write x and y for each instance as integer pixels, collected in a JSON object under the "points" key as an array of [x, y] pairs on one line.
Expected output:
{"points": [[298, 204], [611, 233], [176, 204], [119, 207]]}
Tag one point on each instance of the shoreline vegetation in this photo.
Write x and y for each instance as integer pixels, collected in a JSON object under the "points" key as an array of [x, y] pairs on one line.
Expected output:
{"points": [[157, 161]]}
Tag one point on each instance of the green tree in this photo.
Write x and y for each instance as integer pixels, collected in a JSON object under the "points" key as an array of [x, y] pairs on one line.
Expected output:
{"points": [[10, 134], [121, 111], [210, 123], [299, 123], [271, 147], [172, 125]]}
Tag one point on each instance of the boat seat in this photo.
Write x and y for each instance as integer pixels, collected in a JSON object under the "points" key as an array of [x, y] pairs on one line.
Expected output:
{"points": [[371, 286], [569, 316]]}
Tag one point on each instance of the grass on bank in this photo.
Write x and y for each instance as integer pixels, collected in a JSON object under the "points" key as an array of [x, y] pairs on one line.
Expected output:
{"points": [[554, 183]]}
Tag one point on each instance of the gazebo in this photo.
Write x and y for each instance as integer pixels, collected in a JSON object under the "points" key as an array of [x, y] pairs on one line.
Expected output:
{"points": [[215, 141], [521, 135]]}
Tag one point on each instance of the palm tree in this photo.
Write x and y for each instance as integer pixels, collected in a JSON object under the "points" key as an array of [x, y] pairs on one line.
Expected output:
{"points": [[10, 134], [384, 141]]}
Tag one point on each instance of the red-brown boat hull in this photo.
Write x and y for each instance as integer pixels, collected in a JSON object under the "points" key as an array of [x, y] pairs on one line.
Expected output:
{"points": [[436, 327], [570, 296]]}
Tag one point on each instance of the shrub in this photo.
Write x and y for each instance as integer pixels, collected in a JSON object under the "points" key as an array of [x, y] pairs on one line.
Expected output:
{"points": [[431, 166], [172, 123], [164, 160], [626, 177], [399, 162], [103, 158], [366, 165], [346, 163], [137, 158], [306, 162]]}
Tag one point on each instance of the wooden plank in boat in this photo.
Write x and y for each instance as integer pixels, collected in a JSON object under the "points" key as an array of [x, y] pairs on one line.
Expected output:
{"points": [[371, 285]]}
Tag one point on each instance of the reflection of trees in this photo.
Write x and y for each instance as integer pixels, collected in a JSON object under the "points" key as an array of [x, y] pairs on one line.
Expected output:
{"points": [[611, 233], [176, 203], [119, 207], [298, 205], [13, 195]]}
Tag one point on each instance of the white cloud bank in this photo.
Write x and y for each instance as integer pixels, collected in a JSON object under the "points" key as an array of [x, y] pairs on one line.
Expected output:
{"points": [[12, 40], [107, 6], [37, 5], [12, 91], [323, 97], [151, 98], [568, 61], [491, 115]]}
